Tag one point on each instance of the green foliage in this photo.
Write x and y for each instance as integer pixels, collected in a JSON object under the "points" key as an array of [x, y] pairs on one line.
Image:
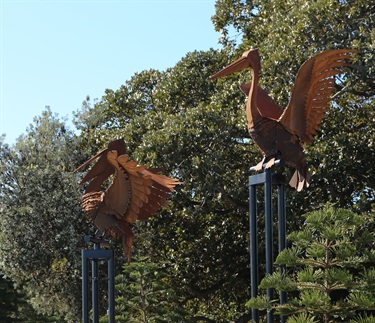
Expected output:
{"points": [[332, 268], [365, 319], [302, 318], [14, 306], [42, 225], [144, 294], [8, 298]]}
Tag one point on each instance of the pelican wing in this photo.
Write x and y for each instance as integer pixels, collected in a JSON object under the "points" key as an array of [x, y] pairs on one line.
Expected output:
{"points": [[160, 190], [313, 87], [267, 107], [149, 191], [139, 185]]}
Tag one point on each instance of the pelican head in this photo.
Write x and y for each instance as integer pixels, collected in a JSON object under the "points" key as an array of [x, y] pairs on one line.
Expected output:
{"points": [[248, 59]]}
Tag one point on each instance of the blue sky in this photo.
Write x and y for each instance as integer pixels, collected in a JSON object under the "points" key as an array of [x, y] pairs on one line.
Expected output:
{"points": [[55, 53]]}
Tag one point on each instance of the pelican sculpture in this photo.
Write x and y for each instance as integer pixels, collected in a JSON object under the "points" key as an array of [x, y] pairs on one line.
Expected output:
{"points": [[281, 133], [135, 193]]}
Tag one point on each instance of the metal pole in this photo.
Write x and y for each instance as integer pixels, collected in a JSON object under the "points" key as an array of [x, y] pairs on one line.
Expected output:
{"points": [[282, 236], [85, 288], [253, 249], [95, 287], [268, 234], [111, 288]]}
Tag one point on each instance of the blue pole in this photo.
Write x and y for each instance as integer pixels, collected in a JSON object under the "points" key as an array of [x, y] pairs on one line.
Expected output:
{"points": [[268, 234], [111, 288], [85, 288], [282, 236], [253, 249], [95, 287]]}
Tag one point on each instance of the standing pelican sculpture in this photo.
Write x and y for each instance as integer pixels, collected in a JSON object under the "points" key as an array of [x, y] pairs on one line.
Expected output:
{"points": [[135, 193], [281, 133]]}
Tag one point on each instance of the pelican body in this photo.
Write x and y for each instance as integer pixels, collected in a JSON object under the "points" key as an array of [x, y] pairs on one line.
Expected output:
{"points": [[281, 133]]}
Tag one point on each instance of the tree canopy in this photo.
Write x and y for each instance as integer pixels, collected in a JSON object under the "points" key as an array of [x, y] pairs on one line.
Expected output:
{"points": [[41, 221]]}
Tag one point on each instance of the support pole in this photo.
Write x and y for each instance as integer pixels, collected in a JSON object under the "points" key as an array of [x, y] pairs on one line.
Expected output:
{"points": [[85, 288], [282, 235], [111, 288], [95, 286], [253, 249], [269, 236]]}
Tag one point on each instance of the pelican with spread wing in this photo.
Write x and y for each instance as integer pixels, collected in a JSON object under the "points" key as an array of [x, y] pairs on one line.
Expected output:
{"points": [[281, 133], [135, 193]]}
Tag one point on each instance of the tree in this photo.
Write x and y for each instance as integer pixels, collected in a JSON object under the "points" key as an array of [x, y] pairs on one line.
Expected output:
{"points": [[42, 225], [14, 305], [144, 294], [331, 276]]}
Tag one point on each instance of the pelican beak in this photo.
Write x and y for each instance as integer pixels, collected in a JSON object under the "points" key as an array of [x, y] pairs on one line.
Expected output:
{"points": [[90, 160], [118, 145], [238, 65]]}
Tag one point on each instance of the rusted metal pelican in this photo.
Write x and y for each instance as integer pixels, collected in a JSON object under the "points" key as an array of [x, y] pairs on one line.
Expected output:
{"points": [[135, 193], [281, 133]]}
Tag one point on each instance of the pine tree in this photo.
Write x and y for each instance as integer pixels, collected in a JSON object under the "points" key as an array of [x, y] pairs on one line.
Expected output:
{"points": [[15, 306], [145, 295], [331, 272]]}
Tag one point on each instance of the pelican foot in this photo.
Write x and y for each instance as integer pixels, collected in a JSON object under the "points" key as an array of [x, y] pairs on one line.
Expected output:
{"points": [[259, 166], [270, 163]]}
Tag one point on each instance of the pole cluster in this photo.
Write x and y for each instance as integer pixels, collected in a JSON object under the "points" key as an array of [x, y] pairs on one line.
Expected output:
{"points": [[94, 257], [267, 179]]}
